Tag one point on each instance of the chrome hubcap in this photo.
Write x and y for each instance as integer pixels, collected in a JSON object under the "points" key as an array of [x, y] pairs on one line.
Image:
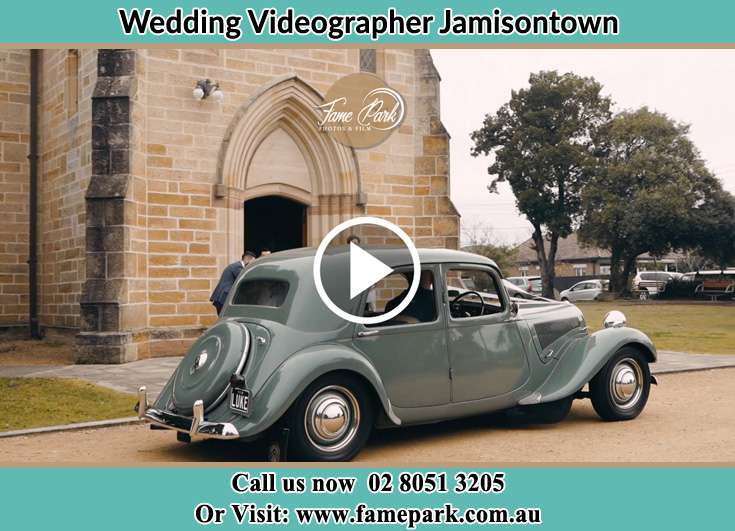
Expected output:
{"points": [[626, 383], [332, 418]]}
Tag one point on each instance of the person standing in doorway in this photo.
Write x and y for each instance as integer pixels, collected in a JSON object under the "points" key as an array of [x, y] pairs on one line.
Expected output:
{"points": [[226, 281]]}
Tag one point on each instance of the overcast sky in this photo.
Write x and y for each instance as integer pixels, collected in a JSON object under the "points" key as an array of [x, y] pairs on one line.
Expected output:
{"points": [[692, 86]]}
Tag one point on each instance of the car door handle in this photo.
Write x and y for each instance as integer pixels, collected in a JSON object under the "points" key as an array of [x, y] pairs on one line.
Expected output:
{"points": [[366, 333]]}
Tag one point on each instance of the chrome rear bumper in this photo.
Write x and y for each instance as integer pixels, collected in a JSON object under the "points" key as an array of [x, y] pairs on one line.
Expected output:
{"points": [[195, 425]]}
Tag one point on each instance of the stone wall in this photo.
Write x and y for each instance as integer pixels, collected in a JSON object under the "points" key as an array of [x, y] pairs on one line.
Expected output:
{"points": [[67, 80], [436, 218], [190, 229], [136, 218], [14, 139], [188, 226]]}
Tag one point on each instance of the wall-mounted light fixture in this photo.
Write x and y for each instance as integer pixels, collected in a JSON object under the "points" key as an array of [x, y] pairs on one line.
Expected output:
{"points": [[206, 88]]}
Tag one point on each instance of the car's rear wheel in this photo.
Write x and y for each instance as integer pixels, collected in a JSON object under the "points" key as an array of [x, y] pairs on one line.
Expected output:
{"points": [[644, 295], [620, 390], [331, 420]]}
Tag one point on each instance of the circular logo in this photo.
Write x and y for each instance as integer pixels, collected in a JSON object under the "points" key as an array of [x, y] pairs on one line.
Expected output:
{"points": [[361, 111], [318, 275]]}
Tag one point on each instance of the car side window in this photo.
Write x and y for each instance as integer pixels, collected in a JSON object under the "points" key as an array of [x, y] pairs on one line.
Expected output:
{"points": [[472, 292], [389, 292]]}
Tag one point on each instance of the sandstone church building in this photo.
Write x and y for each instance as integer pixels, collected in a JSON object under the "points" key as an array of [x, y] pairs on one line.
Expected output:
{"points": [[143, 194]]}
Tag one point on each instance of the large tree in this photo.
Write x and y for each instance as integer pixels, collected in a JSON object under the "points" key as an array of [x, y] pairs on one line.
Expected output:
{"points": [[647, 193], [479, 239], [542, 142], [714, 229]]}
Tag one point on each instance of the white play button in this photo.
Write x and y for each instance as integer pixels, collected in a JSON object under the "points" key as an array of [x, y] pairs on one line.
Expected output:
{"points": [[365, 270]]}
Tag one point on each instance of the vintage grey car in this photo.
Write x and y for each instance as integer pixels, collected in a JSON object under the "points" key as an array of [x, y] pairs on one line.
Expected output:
{"points": [[279, 364]]}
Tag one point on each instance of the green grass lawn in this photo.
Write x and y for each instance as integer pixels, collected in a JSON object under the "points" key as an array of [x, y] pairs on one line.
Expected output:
{"points": [[36, 402], [701, 328]]}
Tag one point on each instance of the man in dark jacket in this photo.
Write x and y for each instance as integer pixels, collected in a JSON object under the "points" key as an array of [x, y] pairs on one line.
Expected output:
{"points": [[229, 275], [421, 307]]}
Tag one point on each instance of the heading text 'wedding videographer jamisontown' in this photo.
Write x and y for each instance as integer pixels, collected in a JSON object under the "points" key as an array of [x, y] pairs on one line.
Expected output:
{"points": [[199, 21]]}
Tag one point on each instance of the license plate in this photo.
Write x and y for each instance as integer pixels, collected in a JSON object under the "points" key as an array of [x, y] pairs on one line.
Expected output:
{"points": [[240, 400]]}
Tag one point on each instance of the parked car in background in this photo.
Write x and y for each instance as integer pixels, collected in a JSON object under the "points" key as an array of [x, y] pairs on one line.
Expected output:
{"points": [[587, 290], [530, 284], [651, 283], [713, 284], [698, 276]]}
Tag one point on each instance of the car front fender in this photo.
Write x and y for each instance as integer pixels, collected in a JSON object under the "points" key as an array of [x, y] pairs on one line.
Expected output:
{"points": [[583, 360], [296, 373]]}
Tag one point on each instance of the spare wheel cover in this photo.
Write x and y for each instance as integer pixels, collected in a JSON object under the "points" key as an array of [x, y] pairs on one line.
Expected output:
{"points": [[204, 373]]}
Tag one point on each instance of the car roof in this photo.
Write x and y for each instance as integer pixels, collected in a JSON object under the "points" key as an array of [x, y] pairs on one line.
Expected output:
{"points": [[393, 256], [296, 267], [588, 280]]}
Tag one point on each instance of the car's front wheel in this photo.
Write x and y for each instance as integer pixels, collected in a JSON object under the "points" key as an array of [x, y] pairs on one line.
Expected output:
{"points": [[620, 390], [331, 420]]}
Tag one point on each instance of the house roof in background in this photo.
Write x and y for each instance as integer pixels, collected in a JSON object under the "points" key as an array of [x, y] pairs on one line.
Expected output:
{"points": [[570, 249]]}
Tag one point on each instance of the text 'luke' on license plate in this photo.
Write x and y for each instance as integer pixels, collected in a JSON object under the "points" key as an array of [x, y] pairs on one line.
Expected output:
{"points": [[240, 400]]}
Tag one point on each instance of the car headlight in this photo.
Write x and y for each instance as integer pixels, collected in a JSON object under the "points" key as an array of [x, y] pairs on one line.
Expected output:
{"points": [[614, 319]]}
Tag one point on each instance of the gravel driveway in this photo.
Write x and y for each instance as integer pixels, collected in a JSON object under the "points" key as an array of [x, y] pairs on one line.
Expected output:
{"points": [[689, 418]]}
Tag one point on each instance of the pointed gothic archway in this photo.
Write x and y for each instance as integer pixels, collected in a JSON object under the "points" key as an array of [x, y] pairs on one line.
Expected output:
{"points": [[273, 147]]}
